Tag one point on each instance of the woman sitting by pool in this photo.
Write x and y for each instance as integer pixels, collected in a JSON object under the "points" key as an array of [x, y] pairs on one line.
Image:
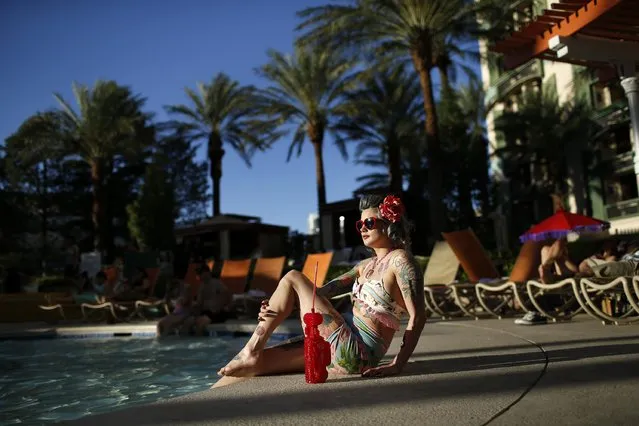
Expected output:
{"points": [[385, 287]]}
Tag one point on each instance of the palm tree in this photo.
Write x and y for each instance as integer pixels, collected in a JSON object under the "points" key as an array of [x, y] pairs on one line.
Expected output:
{"points": [[401, 31], [384, 115], [108, 122], [465, 147], [223, 112], [30, 156], [305, 90], [471, 103], [451, 57], [541, 135]]}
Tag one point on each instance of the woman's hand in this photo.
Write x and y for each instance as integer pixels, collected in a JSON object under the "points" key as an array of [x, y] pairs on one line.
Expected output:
{"points": [[265, 312], [383, 371]]}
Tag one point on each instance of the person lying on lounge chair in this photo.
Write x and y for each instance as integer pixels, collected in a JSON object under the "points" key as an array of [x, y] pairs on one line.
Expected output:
{"points": [[627, 265], [386, 288], [607, 254], [556, 266]]}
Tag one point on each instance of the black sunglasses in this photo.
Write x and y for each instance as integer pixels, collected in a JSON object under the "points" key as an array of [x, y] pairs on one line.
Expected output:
{"points": [[369, 223]]}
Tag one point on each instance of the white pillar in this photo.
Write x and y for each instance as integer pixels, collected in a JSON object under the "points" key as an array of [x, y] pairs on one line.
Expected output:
{"points": [[631, 88]]}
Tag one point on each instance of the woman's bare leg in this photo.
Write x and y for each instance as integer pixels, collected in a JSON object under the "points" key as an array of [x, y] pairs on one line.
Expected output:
{"points": [[547, 266], [251, 360]]}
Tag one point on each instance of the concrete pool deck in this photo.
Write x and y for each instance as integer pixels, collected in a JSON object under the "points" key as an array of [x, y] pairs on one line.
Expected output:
{"points": [[462, 373]]}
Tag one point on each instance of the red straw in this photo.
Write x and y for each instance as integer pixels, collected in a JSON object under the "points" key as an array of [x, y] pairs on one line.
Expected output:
{"points": [[315, 286]]}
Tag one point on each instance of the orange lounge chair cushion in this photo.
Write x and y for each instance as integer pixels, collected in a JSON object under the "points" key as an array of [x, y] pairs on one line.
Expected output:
{"points": [[323, 262], [267, 273], [234, 275]]}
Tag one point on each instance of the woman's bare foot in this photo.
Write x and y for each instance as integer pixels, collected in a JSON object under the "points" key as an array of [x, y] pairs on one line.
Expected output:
{"points": [[245, 364]]}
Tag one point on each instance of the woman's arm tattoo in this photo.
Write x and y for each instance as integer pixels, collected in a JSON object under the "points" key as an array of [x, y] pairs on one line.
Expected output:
{"points": [[409, 279], [341, 284]]}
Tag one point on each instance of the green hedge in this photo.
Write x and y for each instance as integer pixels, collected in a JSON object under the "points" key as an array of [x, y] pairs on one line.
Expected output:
{"points": [[54, 284]]}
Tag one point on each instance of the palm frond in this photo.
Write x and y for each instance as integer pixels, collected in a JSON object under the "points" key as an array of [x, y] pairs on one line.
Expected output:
{"points": [[304, 91]]}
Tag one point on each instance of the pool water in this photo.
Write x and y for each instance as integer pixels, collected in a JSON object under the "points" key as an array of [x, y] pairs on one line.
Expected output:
{"points": [[46, 381]]}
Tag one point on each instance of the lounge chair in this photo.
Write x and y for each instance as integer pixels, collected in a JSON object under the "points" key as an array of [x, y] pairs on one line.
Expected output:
{"points": [[121, 310], [158, 300], [567, 289], [266, 276], [477, 265], [235, 274], [25, 307], [603, 289], [514, 286], [441, 271], [578, 293], [65, 305], [323, 261]]}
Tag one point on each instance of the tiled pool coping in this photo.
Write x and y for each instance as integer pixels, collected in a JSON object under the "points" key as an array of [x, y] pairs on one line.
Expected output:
{"points": [[236, 328]]}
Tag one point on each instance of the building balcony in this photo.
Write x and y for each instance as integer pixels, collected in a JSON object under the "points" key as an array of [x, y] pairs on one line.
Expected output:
{"points": [[620, 163], [511, 80], [623, 209], [612, 114]]}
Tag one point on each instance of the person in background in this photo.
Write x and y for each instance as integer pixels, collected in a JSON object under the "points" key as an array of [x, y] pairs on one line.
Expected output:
{"points": [[607, 254], [556, 265], [101, 285], [137, 289], [211, 304], [180, 296], [72, 258], [88, 291], [166, 273]]}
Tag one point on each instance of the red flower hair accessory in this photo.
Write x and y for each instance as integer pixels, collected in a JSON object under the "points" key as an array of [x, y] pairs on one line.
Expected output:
{"points": [[392, 209]]}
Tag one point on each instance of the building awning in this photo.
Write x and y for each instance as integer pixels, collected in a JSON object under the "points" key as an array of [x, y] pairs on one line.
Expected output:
{"points": [[594, 33], [230, 223]]}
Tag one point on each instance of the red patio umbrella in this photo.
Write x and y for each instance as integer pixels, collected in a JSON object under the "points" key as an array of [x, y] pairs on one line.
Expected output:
{"points": [[561, 224]]}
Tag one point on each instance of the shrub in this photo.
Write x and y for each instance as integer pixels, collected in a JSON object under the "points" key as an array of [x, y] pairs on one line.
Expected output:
{"points": [[54, 284]]}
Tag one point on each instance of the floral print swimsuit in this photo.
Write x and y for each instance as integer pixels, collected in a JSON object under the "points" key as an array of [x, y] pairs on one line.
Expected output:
{"points": [[356, 347]]}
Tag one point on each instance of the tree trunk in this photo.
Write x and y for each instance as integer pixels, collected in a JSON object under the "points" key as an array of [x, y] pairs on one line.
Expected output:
{"points": [[444, 79], [316, 135], [465, 198], [395, 167], [97, 215], [108, 231], [483, 180], [215, 159], [44, 206], [435, 173]]}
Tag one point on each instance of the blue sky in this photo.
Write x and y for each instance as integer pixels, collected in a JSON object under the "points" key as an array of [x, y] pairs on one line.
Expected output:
{"points": [[158, 48]]}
